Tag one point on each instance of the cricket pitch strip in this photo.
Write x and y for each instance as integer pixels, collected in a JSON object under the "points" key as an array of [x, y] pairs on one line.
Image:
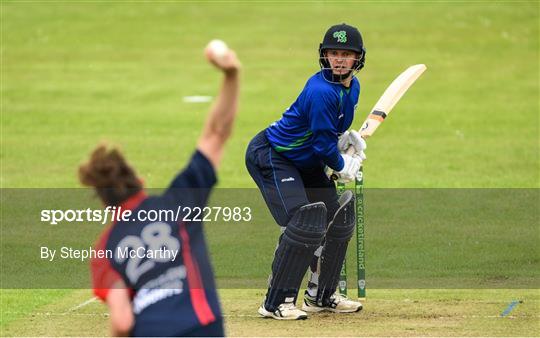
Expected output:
{"points": [[387, 312]]}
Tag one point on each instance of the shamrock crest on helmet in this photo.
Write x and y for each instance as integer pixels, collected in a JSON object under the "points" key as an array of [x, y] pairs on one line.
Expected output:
{"points": [[341, 36]]}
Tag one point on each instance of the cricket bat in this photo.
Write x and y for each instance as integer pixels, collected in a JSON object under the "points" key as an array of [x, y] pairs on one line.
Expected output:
{"points": [[388, 100]]}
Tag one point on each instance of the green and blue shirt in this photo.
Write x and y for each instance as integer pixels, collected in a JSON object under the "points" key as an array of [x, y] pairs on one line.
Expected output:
{"points": [[308, 131]]}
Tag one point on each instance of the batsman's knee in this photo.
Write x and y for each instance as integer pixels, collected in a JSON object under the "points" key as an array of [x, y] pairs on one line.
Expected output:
{"points": [[307, 226], [341, 227]]}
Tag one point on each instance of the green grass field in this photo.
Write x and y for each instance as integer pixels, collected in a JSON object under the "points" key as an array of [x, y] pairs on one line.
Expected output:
{"points": [[440, 261]]}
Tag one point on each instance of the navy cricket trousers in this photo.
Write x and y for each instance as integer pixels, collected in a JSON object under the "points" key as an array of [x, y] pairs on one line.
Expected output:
{"points": [[286, 188]]}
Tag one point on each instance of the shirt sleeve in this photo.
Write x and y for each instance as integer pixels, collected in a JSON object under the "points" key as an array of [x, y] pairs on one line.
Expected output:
{"points": [[103, 274], [196, 180], [323, 120]]}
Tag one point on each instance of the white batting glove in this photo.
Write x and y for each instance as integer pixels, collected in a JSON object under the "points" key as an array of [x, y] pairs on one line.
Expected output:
{"points": [[350, 169], [352, 138]]}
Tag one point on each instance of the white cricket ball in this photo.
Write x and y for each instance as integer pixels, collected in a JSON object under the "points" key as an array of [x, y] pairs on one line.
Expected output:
{"points": [[216, 48]]}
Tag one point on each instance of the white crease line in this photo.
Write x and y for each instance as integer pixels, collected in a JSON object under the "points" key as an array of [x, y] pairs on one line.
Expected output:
{"points": [[249, 316], [56, 314], [105, 314], [83, 304]]}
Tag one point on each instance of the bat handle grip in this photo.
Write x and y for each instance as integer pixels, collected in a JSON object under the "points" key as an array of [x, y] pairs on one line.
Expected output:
{"points": [[350, 151]]}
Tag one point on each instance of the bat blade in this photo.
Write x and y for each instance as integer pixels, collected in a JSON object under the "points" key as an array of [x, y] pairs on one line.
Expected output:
{"points": [[390, 97]]}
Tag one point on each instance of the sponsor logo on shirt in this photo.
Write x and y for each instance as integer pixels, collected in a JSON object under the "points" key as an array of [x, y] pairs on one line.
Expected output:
{"points": [[288, 179]]}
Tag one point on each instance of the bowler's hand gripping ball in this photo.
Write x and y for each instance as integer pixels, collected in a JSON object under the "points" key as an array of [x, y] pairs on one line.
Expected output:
{"points": [[216, 49]]}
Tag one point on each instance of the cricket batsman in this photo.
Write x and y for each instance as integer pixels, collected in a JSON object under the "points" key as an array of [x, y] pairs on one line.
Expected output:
{"points": [[292, 162], [158, 295]]}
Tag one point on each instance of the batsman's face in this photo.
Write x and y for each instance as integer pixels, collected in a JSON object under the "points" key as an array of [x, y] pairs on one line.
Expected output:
{"points": [[341, 61]]}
